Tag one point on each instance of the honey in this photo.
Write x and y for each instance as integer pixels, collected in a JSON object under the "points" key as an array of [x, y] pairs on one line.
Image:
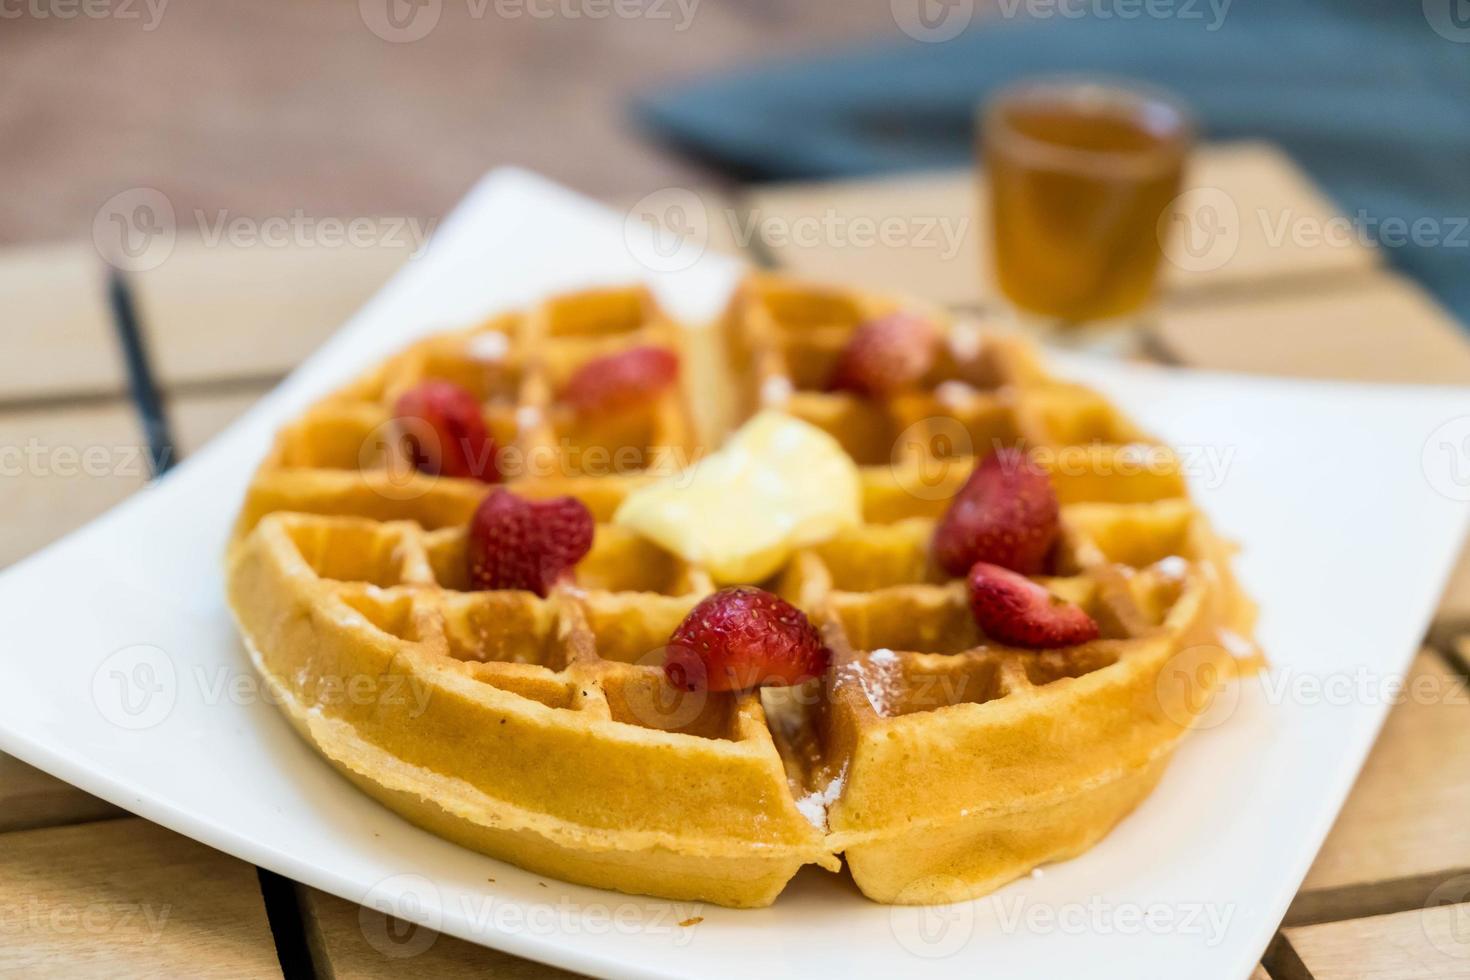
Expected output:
{"points": [[1081, 179]]}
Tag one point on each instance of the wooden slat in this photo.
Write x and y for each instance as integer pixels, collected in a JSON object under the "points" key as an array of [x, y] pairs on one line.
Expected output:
{"points": [[30, 798], [349, 942], [1460, 652], [1375, 327], [710, 213], [198, 418], [826, 231], [58, 338], [1287, 226], [126, 898], [1263, 185], [1403, 829], [62, 467], [224, 312], [1422, 944], [51, 496], [402, 128], [1454, 604], [52, 490]]}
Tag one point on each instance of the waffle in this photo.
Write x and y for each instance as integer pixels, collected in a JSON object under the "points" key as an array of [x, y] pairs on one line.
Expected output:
{"points": [[935, 763], [340, 457]]}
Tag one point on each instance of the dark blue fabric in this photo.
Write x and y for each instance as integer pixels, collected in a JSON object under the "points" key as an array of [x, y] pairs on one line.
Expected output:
{"points": [[1371, 100]]}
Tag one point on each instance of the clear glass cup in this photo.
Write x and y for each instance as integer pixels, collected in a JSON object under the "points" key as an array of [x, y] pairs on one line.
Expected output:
{"points": [[1080, 174]]}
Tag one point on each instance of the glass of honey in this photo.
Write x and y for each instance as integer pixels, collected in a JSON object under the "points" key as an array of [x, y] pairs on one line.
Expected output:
{"points": [[1081, 174]]}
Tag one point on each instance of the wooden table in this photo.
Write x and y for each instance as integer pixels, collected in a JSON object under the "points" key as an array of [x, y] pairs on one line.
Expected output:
{"points": [[87, 890]]}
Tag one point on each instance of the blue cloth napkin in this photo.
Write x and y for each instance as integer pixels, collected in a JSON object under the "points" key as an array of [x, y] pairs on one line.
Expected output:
{"points": [[1372, 98]]}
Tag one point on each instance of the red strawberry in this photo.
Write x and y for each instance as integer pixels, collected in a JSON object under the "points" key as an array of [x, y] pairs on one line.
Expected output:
{"points": [[1005, 514], [742, 638], [444, 433], [886, 355], [620, 381], [515, 543], [1015, 610]]}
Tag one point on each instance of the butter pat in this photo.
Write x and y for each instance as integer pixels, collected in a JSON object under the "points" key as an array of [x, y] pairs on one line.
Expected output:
{"points": [[777, 485]]}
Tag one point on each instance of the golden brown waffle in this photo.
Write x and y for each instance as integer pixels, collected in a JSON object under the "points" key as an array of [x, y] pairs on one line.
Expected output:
{"points": [[986, 390], [341, 456], [961, 764], [542, 731]]}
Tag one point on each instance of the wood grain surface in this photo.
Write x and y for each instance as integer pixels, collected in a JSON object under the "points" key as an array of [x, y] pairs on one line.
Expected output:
{"points": [[30, 798], [269, 110], [350, 942], [126, 898], [58, 338], [1370, 325], [63, 467], [1401, 833], [1423, 944], [939, 243]]}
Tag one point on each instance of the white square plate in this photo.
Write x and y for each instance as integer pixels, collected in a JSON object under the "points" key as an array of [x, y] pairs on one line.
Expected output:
{"points": [[123, 673]]}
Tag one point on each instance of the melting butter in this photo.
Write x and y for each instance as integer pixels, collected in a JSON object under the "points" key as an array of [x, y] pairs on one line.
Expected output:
{"points": [[779, 484]]}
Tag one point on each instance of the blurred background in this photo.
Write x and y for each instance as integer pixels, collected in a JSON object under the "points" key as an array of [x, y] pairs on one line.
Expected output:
{"points": [[393, 107], [261, 108], [198, 192]]}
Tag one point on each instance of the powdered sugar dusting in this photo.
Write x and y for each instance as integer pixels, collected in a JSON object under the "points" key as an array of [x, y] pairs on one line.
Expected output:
{"points": [[489, 347], [876, 677], [1172, 567], [954, 394], [814, 805], [965, 340], [528, 417], [776, 391], [1237, 645]]}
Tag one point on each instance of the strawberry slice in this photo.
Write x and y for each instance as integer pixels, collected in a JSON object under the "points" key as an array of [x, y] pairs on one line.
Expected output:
{"points": [[742, 638], [444, 433], [1005, 514], [1015, 610], [515, 543], [886, 355], [617, 382]]}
